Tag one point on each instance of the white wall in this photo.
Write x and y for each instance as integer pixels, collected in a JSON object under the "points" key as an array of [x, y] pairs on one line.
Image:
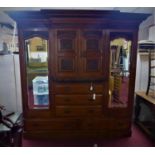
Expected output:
{"points": [[18, 83], [146, 32], [10, 93], [142, 72], [144, 28]]}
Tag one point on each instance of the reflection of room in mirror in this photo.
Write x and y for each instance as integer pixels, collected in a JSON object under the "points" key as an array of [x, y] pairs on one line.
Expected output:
{"points": [[37, 49], [119, 73], [37, 71]]}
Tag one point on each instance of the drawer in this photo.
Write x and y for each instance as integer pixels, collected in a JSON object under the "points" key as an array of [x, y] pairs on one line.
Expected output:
{"points": [[78, 110], [96, 124], [119, 124], [78, 99], [105, 124], [90, 124], [59, 124], [78, 88]]}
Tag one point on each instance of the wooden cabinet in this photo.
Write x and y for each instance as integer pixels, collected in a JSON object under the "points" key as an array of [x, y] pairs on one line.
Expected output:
{"points": [[66, 53], [79, 53], [78, 69], [91, 53]]}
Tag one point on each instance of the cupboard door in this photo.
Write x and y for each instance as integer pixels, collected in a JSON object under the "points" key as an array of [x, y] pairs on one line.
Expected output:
{"points": [[91, 52], [36, 69], [120, 62], [66, 53]]}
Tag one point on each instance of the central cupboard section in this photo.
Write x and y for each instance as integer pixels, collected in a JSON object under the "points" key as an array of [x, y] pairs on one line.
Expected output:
{"points": [[79, 54], [79, 71]]}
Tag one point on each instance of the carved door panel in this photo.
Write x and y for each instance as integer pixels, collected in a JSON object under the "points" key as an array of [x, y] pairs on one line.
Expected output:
{"points": [[66, 53], [91, 53]]}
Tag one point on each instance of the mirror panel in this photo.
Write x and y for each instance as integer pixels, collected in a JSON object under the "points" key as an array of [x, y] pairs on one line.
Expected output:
{"points": [[120, 50], [36, 49]]}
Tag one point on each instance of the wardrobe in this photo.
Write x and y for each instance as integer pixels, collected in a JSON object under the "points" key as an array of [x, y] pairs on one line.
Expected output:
{"points": [[69, 87]]}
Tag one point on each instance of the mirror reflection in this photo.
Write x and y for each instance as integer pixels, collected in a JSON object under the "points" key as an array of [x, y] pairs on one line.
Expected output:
{"points": [[37, 72], [120, 50]]}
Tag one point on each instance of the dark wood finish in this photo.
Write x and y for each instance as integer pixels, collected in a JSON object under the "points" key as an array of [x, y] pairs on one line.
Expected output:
{"points": [[78, 110], [78, 64], [91, 51], [78, 99], [78, 88], [66, 51]]}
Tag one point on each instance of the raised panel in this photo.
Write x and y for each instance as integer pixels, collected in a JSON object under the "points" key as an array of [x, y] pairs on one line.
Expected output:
{"points": [[92, 44], [92, 65], [66, 44], [66, 53], [66, 65], [66, 40], [92, 41], [91, 53]]}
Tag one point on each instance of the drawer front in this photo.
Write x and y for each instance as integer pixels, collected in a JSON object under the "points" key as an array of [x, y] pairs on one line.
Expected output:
{"points": [[69, 124], [96, 124], [78, 110], [105, 124], [78, 99], [90, 124], [78, 88], [119, 124]]}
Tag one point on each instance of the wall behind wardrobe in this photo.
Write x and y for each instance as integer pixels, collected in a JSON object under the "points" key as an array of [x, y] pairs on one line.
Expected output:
{"points": [[10, 86], [146, 32]]}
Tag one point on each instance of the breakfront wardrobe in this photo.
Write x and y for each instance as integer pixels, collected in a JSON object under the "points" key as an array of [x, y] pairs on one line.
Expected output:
{"points": [[77, 72]]}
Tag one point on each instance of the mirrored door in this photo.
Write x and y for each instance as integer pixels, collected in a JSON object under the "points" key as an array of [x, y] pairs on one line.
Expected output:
{"points": [[36, 50], [120, 52]]}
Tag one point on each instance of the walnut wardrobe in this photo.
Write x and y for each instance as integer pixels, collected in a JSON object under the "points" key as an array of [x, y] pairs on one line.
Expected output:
{"points": [[77, 72]]}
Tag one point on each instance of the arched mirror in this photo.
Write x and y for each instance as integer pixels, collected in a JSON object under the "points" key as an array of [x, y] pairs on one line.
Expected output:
{"points": [[36, 49], [120, 51]]}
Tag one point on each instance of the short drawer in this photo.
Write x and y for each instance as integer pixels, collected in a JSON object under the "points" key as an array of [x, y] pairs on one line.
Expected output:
{"points": [[106, 124], [95, 123], [78, 88], [119, 124], [90, 124], [78, 110], [59, 124], [78, 99]]}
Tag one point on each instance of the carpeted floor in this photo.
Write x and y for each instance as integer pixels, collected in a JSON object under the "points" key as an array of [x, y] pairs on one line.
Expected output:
{"points": [[138, 139]]}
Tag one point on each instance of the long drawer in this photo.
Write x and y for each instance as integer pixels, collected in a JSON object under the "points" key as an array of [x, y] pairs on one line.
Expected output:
{"points": [[89, 99], [79, 88], [77, 124], [78, 110]]}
